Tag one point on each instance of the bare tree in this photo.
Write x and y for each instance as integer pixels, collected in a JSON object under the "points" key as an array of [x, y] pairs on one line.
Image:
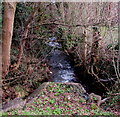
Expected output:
{"points": [[7, 32]]}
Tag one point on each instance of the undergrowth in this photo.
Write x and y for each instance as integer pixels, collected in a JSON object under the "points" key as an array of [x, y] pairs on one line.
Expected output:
{"points": [[67, 102]]}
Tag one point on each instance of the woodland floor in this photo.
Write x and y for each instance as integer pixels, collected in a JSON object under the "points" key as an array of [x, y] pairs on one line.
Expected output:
{"points": [[60, 99]]}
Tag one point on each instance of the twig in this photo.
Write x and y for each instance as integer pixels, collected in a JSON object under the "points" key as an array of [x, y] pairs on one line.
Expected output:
{"points": [[106, 80]]}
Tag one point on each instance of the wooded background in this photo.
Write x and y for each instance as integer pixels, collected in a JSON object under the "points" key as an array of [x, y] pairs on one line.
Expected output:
{"points": [[88, 33]]}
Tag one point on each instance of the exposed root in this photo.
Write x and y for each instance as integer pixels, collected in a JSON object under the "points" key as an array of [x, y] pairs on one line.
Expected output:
{"points": [[91, 72]]}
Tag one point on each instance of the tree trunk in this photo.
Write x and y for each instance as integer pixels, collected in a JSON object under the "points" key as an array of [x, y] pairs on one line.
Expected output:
{"points": [[95, 41], [7, 32]]}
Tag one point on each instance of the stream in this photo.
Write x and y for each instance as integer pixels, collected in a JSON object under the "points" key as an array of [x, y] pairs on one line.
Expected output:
{"points": [[59, 62], [63, 71]]}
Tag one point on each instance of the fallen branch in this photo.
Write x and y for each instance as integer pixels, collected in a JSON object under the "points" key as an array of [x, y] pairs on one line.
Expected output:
{"points": [[69, 25]]}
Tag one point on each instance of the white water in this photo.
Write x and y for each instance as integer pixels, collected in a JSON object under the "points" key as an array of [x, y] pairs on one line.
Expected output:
{"points": [[60, 65]]}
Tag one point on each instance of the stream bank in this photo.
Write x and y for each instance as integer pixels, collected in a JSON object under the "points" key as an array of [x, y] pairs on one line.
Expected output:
{"points": [[56, 99], [87, 80]]}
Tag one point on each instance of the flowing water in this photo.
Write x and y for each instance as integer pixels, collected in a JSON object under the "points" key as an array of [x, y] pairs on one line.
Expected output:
{"points": [[61, 68], [63, 71]]}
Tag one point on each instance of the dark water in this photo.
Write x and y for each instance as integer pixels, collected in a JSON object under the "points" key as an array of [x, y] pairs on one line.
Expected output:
{"points": [[59, 62]]}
